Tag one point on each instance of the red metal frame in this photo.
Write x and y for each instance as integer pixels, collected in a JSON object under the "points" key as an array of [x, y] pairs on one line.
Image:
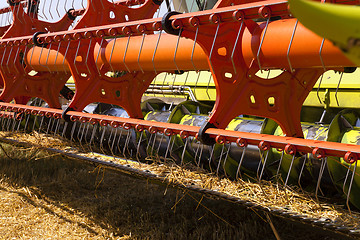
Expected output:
{"points": [[239, 90], [18, 83], [92, 85], [320, 149]]}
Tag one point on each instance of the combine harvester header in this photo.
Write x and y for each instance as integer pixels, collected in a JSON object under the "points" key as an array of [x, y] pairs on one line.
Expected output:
{"points": [[263, 62]]}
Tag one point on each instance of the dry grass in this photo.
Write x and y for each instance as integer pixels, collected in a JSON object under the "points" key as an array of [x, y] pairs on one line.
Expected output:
{"points": [[48, 196]]}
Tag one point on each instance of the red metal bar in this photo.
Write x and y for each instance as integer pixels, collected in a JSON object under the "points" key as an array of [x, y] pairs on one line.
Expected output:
{"points": [[321, 148], [305, 45]]}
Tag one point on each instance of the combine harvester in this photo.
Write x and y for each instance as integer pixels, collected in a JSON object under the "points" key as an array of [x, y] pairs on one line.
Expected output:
{"points": [[240, 90]]}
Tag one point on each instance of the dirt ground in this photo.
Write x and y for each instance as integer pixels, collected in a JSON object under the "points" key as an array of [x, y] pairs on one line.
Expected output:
{"points": [[51, 197]]}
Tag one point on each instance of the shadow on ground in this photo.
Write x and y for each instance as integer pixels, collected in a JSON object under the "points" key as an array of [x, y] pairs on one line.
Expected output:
{"points": [[124, 206]]}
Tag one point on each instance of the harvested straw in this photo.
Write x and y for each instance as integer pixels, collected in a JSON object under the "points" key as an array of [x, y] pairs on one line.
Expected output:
{"points": [[267, 194]]}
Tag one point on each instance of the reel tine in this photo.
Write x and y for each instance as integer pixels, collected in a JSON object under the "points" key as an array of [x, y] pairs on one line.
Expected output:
{"points": [[66, 52], [196, 152], [322, 168], [200, 155], [92, 5], [98, 54], [41, 122], [53, 126], [76, 55], [102, 4], [208, 86], [18, 121], [48, 126], [83, 125], [57, 8], [289, 171], [193, 49], [156, 47], [57, 127], [2, 117], [4, 123], [213, 45], [180, 5], [140, 50], [8, 59], [345, 180], [109, 140], [25, 54], [2, 59], [291, 41], [86, 134], [148, 146], [80, 130], [196, 82], [154, 153], [15, 58], [113, 141], [158, 148], [11, 125], [26, 122], [263, 166], [87, 55], [30, 4], [175, 52], [127, 46], [43, 11], [204, 6], [350, 186], [236, 42], [51, 16], [280, 162], [126, 145], [261, 42], [64, 129], [238, 172], [8, 124], [2, 120], [47, 58], [337, 88], [219, 162], [93, 133], [34, 123], [162, 89], [192, 5], [17, 13], [211, 155], [183, 152], [111, 54], [118, 144], [169, 5], [259, 164], [177, 67], [226, 157], [102, 139], [301, 171], [323, 65], [168, 148], [72, 132], [138, 148], [171, 148]]}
